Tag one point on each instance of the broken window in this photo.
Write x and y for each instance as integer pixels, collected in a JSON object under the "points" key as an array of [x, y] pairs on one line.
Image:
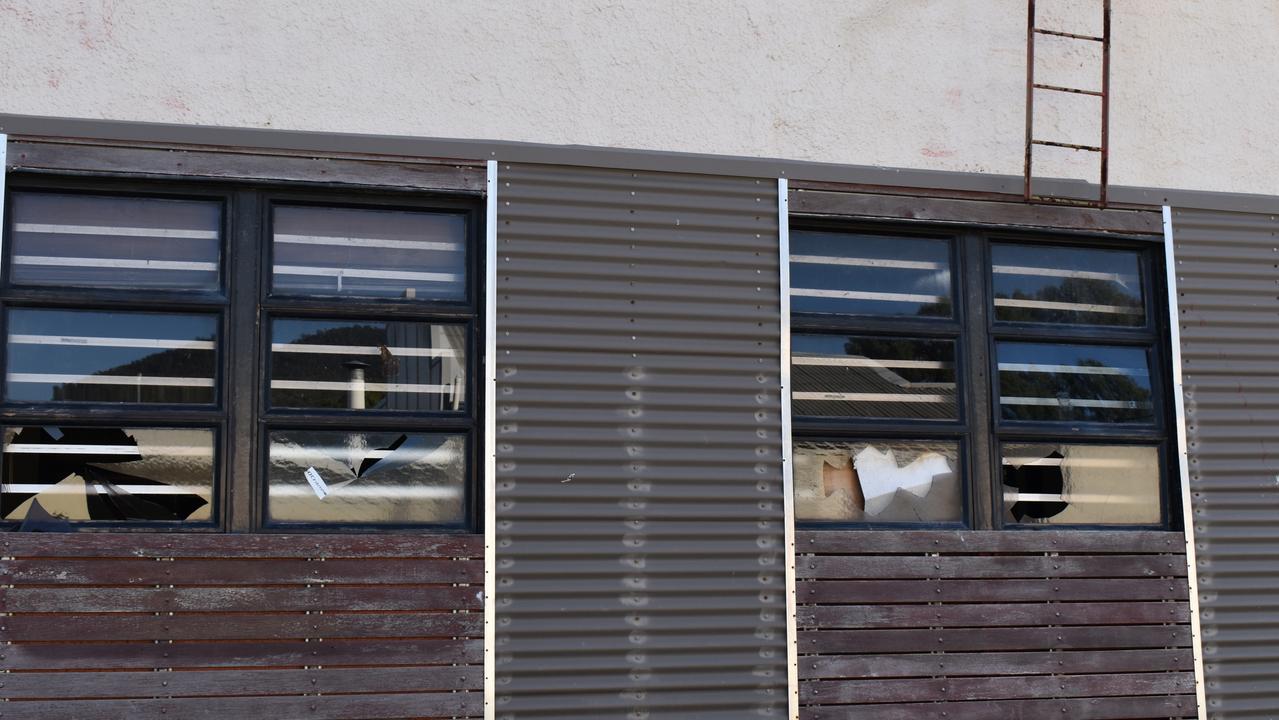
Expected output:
{"points": [[170, 345], [323, 476], [57, 475], [1035, 374], [877, 481], [1075, 484]]}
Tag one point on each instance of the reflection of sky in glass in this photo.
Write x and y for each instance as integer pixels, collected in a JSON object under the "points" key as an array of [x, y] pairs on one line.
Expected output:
{"points": [[870, 264], [88, 356], [74, 356], [1067, 285]]}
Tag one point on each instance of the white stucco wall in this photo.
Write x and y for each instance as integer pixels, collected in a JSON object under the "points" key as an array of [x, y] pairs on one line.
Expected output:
{"points": [[935, 84]]}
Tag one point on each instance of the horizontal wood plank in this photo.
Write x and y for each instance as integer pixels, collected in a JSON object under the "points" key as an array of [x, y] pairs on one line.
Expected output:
{"points": [[235, 626], [973, 639], [324, 707], [193, 545], [994, 567], [404, 173], [1094, 542], [955, 664], [296, 653], [991, 615], [247, 571], [1119, 708], [240, 599], [1018, 214], [993, 591], [197, 683], [826, 692]]}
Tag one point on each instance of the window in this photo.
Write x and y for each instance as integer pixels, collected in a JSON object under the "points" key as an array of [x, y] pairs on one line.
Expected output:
{"points": [[966, 378], [214, 357]]}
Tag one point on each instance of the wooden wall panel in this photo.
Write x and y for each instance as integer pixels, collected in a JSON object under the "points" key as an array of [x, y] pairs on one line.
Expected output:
{"points": [[944, 625], [169, 626]]}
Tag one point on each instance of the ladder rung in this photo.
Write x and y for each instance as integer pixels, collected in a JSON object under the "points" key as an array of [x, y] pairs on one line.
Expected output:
{"points": [[1089, 148], [1059, 88], [1076, 36]]}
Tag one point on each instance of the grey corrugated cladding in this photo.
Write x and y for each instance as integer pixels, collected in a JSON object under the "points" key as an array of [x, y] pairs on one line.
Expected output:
{"points": [[640, 557], [1228, 288]]}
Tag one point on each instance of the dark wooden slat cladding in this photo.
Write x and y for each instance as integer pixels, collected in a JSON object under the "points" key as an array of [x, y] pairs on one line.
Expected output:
{"points": [[949, 625], [274, 571], [992, 615], [896, 207], [952, 664], [1095, 542], [198, 683], [239, 599], [187, 162], [418, 706], [1005, 566], [1109, 708], [106, 545], [265, 626], [323, 626], [991, 591]]}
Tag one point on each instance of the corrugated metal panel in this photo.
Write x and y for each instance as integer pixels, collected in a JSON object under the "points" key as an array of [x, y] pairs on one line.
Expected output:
{"points": [[640, 558], [1228, 290]]}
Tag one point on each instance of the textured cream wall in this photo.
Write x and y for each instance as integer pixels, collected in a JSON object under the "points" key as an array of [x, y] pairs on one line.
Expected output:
{"points": [[934, 84]]}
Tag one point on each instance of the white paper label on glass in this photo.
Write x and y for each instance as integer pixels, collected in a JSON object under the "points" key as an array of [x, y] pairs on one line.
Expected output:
{"points": [[320, 487]]}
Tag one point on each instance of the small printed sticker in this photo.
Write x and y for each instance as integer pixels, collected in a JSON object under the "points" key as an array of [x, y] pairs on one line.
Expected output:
{"points": [[320, 487]]}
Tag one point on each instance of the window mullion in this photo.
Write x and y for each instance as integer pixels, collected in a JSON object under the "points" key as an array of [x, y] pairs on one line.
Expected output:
{"points": [[976, 382], [242, 357]]}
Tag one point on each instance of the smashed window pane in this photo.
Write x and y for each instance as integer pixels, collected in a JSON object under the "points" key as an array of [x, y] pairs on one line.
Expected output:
{"points": [[368, 253], [841, 376], [1078, 286], [64, 240], [878, 481], [55, 476], [368, 365], [1057, 484], [864, 274], [1082, 383], [111, 357], [324, 476]]}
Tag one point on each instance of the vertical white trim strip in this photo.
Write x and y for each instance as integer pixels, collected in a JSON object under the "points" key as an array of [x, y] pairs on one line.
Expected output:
{"points": [[1183, 455], [490, 444], [4, 170], [788, 474]]}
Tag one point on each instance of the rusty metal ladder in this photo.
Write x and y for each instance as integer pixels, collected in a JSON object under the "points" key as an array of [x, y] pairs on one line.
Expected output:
{"points": [[1103, 149]]}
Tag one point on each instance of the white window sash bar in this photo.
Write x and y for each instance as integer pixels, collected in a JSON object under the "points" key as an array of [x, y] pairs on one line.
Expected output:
{"points": [[113, 231], [1121, 278], [867, 262], [369, 386], [95, 341], [351, 492], [129, 450], [130, 380], [1076, 402], [1071, 463], [316, 271], [123, 263], [872, 397], [368, 242], [309, 454], [1070, 369], [1072, 498], [834, 361], [866, 295], [361, 350], [1073, 307]]}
